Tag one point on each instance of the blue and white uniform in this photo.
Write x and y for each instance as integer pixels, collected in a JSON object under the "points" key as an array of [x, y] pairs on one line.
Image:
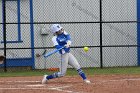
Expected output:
{"points": [[61, 39]]}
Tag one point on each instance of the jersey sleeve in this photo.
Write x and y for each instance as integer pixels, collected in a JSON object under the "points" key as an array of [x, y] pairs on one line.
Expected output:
{"points": [[54, 41]]}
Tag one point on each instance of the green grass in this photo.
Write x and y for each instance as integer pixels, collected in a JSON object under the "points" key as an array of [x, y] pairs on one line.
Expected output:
{"points": [[115, 70], [89, 71]]}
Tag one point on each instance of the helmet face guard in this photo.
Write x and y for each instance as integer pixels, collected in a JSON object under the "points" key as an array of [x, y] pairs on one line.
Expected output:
{"points": [[55, 28]]}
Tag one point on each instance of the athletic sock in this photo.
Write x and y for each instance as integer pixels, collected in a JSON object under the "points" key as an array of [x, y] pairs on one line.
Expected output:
{"points": [[82, 74], [55, 75], [49, 77]]}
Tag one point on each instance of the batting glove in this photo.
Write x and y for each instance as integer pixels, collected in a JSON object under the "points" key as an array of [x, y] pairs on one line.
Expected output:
{"points": [[68, 44]]}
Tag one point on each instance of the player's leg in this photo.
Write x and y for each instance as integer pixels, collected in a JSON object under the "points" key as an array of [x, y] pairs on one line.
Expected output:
{"points": [[74, 63], [62, 67]]}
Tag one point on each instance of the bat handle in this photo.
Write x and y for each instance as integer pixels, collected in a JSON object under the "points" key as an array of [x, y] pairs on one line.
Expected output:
{"points": [[52, 52], [46, 56]]}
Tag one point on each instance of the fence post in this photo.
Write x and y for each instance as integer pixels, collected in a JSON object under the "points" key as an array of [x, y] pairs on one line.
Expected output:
{"points": [[101, 48], [32, 33], [138, 30], [4, 30]]}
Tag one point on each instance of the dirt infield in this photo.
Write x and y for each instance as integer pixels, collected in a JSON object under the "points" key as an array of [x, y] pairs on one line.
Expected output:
{"points": [[72, 84]]}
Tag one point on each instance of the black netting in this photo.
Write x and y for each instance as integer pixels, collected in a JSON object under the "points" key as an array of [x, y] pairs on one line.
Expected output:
{"points": [[107, 25]]}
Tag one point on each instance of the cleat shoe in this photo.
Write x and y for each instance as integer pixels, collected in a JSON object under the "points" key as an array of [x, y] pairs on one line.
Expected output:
{"points": [[87, 81], [44, 80]]}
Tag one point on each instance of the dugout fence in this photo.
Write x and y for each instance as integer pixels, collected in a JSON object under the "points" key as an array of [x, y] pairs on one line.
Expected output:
{"points": [[110, 28]]}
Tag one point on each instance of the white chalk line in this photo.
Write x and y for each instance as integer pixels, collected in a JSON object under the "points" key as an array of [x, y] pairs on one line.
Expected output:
{"points": [[23, 88], [34, 87], [37, 86], [20, 81], [61, 89], [57, 88]]}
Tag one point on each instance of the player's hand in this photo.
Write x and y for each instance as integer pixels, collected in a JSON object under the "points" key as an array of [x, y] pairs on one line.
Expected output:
{"points": [[68, 44]]}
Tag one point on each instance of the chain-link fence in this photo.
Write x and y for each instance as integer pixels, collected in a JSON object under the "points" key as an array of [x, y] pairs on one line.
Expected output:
{"points": [[107, 27]]}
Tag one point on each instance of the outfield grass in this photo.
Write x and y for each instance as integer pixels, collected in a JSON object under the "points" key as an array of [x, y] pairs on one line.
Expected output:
{"points": [[89, 71]]}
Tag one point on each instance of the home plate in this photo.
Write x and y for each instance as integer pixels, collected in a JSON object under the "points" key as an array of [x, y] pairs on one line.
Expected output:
{"points": [[37, 85]]}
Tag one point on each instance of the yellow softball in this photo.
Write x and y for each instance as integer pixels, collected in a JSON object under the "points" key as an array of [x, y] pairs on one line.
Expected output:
{"points": [[86, 49]]}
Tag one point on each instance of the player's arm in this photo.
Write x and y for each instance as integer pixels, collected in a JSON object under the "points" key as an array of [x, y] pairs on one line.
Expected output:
{"points": [[55, 43], [57, 46]]}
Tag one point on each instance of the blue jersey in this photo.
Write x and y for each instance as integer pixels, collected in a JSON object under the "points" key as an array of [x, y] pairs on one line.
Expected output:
{"points": [[61, 40]]}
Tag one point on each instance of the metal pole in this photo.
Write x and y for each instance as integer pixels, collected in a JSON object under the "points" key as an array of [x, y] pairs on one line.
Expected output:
{"points": [[4, 31], [101, 48]]}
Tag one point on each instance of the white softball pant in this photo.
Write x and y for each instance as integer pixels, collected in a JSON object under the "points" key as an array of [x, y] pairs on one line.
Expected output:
{"points": [[67, 59]]}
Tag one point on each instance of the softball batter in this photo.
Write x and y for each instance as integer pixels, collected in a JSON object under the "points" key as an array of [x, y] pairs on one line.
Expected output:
{"points": [[62, 38]]}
